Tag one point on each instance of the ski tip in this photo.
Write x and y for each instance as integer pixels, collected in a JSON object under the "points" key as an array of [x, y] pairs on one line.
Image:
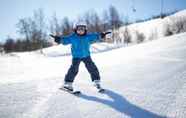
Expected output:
{"points": [[76, 92], [101, 91]]}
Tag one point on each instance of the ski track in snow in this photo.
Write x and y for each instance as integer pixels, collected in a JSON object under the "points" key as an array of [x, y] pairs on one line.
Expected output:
{"points": [[143, 81]]}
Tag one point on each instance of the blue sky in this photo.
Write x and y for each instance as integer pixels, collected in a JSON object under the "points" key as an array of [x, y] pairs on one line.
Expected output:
{"points": [[12, 10]]}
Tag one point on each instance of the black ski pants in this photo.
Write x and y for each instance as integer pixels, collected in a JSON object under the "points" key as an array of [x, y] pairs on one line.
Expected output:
{"points": [[74, 68]]}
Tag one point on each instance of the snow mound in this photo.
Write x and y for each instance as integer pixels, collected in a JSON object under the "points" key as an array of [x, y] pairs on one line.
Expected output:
{"points": [[155, 28]]}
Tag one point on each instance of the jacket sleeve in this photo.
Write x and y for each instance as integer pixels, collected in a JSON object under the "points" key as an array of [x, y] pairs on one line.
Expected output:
{"points": [[65, 40], [93, 37]]}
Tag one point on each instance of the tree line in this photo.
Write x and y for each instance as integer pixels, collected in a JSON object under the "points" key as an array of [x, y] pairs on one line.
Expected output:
{"points": [[34, 30]]}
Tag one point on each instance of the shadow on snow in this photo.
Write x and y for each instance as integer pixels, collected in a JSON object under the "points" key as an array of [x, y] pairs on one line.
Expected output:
{"points": [[120, 104]]}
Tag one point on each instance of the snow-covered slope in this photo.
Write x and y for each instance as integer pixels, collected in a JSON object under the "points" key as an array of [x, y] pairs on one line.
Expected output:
{"points": [[141, 81], [155, 28]]}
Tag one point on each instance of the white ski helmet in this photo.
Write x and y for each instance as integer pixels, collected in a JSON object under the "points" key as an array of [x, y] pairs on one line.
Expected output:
{"points": [[80, 24]]}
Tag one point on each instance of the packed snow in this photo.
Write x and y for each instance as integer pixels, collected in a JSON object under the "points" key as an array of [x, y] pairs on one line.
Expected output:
{"points": [[141, 81]]}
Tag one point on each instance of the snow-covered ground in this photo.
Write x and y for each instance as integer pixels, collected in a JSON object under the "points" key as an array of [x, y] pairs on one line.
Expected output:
{"points": [[141, 81]]}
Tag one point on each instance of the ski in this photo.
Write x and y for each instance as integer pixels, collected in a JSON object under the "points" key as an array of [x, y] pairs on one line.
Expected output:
{"points": [[101, 90], [74, 92]]}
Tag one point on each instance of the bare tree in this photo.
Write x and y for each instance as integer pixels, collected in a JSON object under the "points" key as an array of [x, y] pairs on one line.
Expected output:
{"points": [[105, 21], [97, 23], [114, 18], [115, 37], [87, 19], [140, 37], [67, 26], [39, 29], [34, 30], [175, 25], [24, 28], [55, 27], [2, 49], [127, 36], [167, 30], [9, 45], [178, 24], [93, 21]]}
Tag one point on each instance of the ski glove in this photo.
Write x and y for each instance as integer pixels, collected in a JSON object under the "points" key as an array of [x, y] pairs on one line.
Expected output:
{"points": [[103, 34], [56, 38]]}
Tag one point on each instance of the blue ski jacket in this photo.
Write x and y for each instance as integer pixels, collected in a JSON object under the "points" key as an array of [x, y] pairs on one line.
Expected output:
{"points": [[80, 45]]}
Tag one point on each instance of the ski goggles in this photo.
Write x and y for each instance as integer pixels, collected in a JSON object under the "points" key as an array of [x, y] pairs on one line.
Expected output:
{"points": [[81, 28]]}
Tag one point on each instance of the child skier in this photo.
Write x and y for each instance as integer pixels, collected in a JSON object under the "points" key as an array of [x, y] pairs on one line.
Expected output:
{"points": [[80, 42]]}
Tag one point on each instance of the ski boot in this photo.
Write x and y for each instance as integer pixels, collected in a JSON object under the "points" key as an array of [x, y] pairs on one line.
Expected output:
{"points": [[68, 86], [98, 86]]}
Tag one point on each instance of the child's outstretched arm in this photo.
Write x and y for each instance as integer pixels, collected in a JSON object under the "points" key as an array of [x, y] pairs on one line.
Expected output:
{"points": [[103, 34], [61, 39], [56, 38], [97, 36]]}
